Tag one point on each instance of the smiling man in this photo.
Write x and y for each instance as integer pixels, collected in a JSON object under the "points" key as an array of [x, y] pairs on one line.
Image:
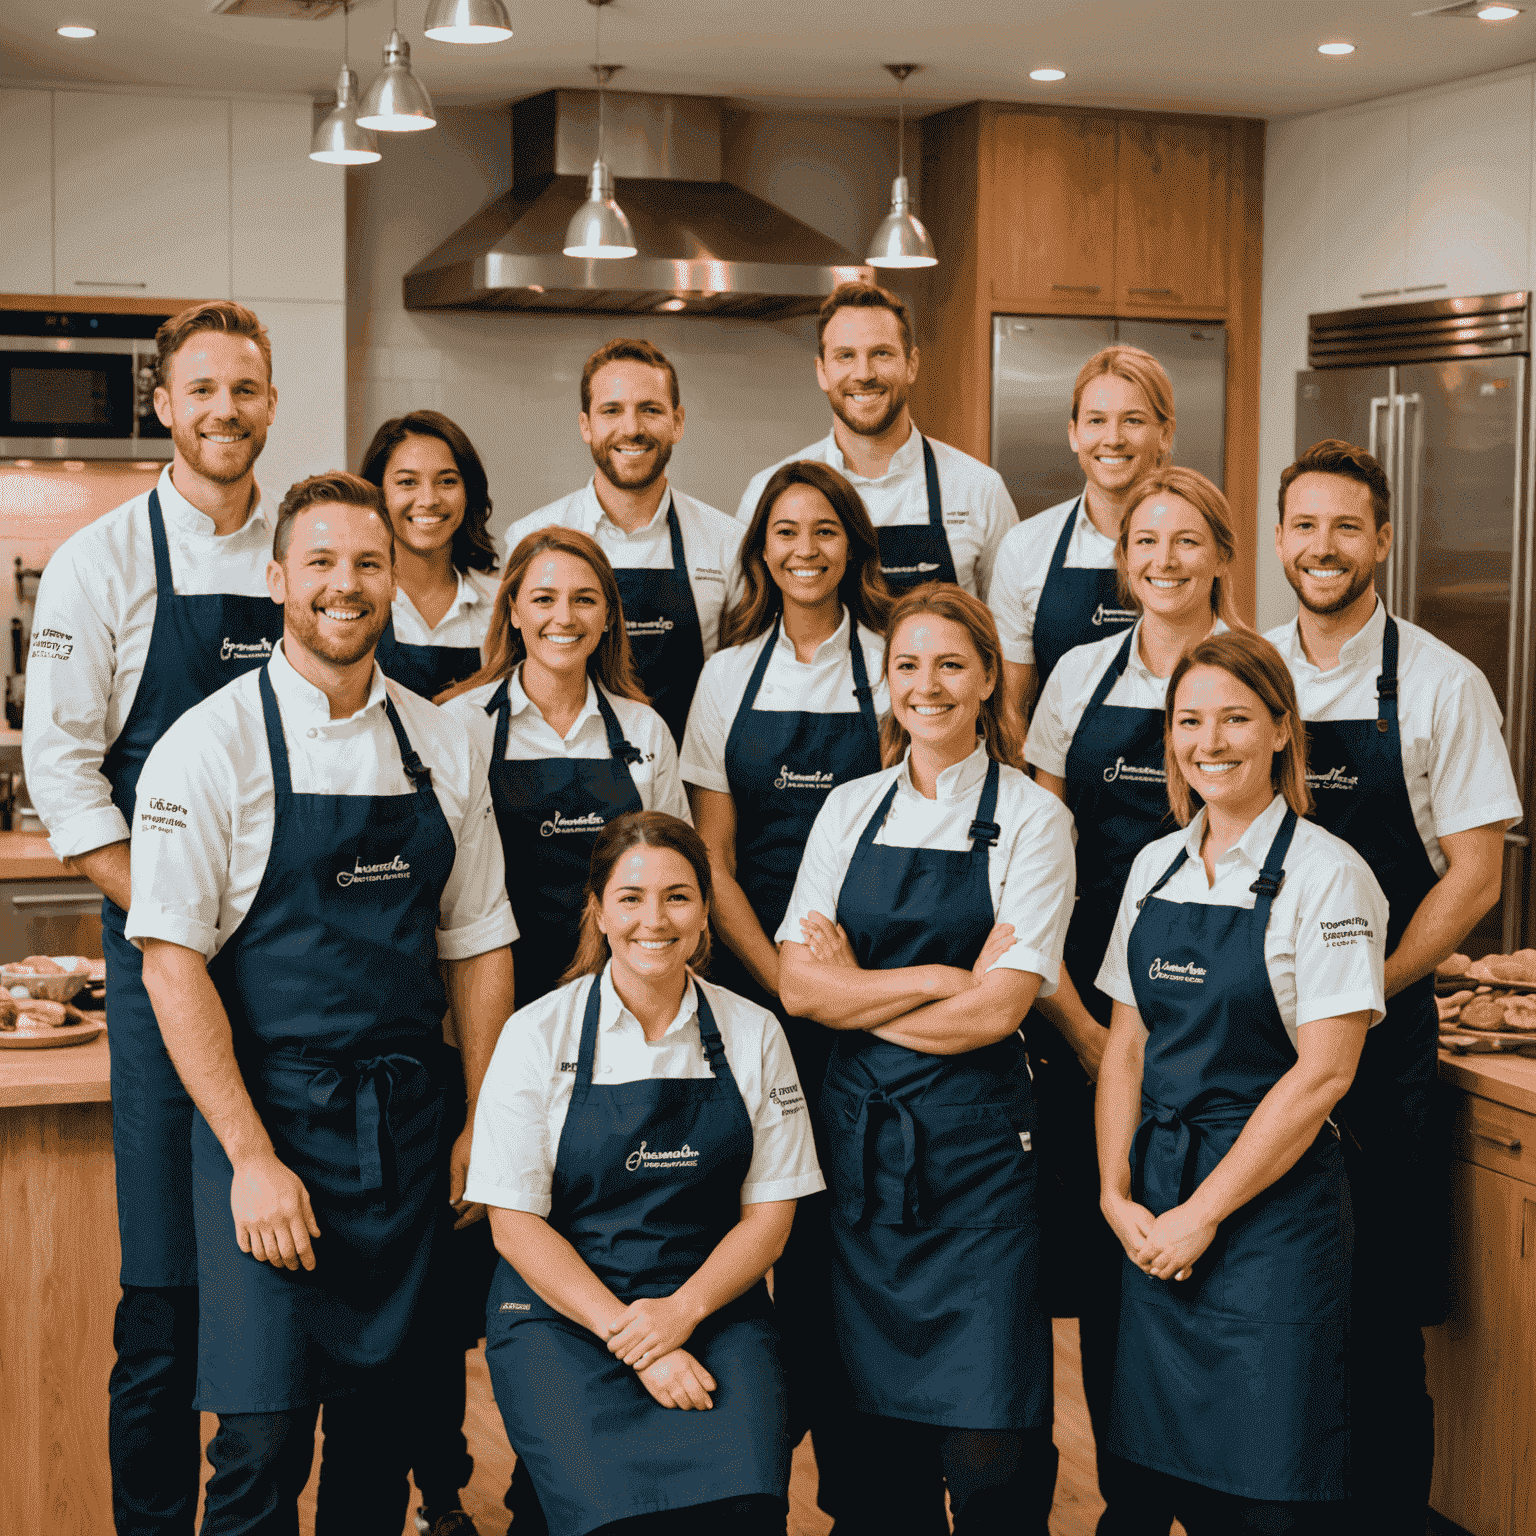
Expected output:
{"points": [[139, 616], [675, 557], [941, 515], [310, 844], [1406, 761]]}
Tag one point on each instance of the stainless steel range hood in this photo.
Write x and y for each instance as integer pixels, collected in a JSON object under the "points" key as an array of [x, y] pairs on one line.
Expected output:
{"points": [[706, 247]]}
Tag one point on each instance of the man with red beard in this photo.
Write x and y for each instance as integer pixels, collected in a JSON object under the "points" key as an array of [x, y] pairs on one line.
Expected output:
{"points": [[941, 515], [675, 557], [317, 880], [139, 616]]}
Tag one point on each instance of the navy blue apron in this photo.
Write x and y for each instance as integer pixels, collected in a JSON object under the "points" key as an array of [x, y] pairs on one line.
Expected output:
{"points": [[1075, 608], [425, 669], [935, 1286], [1118, 796], [643, 1219], [912, 553], [1237, 1378], [550, 812], [198, 643], [336, 1006], [1395, 1136], [662, 621]]}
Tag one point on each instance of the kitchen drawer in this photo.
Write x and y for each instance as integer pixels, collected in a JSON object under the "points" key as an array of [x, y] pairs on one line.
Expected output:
{"points": [[1495, 1136]]}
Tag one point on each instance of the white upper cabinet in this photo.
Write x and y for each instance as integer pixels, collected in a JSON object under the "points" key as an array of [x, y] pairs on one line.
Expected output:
{"points": [[288, 212], [26, 191], [141, 195], [1365, 194], [1469, 179]]}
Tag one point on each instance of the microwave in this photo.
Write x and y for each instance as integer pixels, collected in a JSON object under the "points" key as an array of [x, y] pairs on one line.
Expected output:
{"points": [[79, 397]]}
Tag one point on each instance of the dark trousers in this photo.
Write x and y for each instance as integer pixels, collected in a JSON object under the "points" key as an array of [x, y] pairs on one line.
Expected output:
{"points": [[152, 1428], [1001, 1481], [1207, 1512]]}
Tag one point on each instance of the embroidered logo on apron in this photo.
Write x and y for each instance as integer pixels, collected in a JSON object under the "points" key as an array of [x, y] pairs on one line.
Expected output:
{"points": [[593, 821], [920, 569], [1335, 778], [517, 1306], [642, 1157], [1103, 615], [788, 780], [1120, 769], [648, 626], [1167, 970], [363, 874], [244, 650]]}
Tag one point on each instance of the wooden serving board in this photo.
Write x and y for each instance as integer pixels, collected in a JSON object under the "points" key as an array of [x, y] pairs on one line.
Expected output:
{"points": [[1487, 1041], [42, 1037]]}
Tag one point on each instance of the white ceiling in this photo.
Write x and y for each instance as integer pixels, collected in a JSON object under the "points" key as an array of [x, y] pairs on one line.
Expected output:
{"points": [[1255, 57]]}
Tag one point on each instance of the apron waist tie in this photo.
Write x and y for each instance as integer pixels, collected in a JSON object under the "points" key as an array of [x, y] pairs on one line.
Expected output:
{"points": [[864, 1133], [1186, 1126], [371, 1083]]}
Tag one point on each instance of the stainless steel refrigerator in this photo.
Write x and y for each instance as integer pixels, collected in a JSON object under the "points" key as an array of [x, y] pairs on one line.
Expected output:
{"points": [[1438, 392], [1035, 362]]}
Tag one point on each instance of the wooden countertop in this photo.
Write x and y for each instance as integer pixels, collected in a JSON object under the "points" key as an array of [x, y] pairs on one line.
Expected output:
{"points": [[1507, 1080], [27, 856], [64, 1074]]}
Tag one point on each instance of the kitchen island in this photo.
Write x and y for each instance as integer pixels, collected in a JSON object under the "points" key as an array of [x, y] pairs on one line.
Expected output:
{"points": [[58, 1288]]}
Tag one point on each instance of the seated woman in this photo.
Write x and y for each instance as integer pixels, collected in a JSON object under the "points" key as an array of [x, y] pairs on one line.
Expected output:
{"points": [[1245, 967], [641, 1140]]}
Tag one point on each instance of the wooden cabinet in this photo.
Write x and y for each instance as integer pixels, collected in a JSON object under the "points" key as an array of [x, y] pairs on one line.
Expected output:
{"points": [[26, 191], [141, 195], [1365, 193]]}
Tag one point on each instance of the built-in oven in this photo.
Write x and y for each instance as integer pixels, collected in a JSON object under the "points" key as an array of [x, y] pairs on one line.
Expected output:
{"points": [[79, 395]]}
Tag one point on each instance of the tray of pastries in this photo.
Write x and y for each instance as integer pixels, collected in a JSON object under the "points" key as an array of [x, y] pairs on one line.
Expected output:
{"points": [[36, 1023]]}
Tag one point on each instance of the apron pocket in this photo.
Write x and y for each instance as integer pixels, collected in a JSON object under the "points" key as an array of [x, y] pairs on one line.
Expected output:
{"points": [[976, 1165]]}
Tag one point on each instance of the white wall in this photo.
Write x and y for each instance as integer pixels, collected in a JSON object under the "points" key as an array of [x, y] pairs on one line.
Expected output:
{"points": [[511, 380]]}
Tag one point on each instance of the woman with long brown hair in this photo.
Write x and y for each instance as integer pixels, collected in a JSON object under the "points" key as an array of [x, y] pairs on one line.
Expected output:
{"points": [[788, 710], [1245, 966], [928, 914], [641, 1142]]}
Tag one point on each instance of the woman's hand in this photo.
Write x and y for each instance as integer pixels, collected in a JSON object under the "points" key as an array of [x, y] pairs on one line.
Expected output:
{"points": [[827, 942], [1176, 1239], [1129, 1222], [999, 942], [650, 1328], [677, 1380]]}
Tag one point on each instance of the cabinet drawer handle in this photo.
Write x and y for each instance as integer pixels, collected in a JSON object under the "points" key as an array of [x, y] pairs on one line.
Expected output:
{"points": [[82, 904], [1381, 293], [1167, 291], [1426, 287], [1509, 1143], [106, 282], [1076, 287]]}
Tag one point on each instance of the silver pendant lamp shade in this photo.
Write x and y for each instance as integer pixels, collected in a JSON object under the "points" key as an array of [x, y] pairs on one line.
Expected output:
{"points": [[397, 102], [598, 229], [901, 240], [468, 21], [338, 140]]}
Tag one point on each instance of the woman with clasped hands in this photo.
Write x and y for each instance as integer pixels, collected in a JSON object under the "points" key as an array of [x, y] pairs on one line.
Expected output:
{"points": [[1245, 968], [641, 1140]]}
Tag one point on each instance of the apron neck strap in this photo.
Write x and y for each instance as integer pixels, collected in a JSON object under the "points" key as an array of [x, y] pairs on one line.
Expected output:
{"points": [[1059, 554], [985, 830], [619, 748], [500, 705], [760, 669], [1386, 684], [861, 689], [675, 534], [588, 1049], [420, 775], [164, 587], [1273, 874], [709, 1033], [935, 496], [277, 747], [1113, 672]]}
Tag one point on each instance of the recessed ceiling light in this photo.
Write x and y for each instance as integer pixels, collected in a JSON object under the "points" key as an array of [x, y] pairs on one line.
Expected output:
{"points": [[1498, 12], [1336, 48], [1047, 74], [77, 32]]}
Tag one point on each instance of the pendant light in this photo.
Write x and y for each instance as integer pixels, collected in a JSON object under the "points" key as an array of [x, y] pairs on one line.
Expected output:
{"points": [[338, 140], [901, 240], [397, 102], [468, 21], [598, 229]]}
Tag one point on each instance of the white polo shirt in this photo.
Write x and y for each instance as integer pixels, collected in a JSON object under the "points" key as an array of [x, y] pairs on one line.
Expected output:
{"points": [[1454, 758], [824, 685], [205, 810], [1069, 688], [978, 511], [530, 737], [711, 546], [1326, 940], [1030, 869], [527, 1090], [466, 621], [1023, 563], [91, 628]]}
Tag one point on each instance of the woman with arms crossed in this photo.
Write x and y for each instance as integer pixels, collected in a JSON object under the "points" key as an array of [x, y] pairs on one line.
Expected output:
{"points": [[637, 1202], [929, 910], [1245, 968], [783, 714]]}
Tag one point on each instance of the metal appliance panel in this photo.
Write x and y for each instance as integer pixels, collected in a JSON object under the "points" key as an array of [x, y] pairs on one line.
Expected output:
{"points": [[1035, 363], [49, 917], [1196, 359]]}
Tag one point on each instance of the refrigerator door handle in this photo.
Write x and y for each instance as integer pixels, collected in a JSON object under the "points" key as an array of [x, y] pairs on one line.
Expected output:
{"points": [[1381, 403], [1409, 454]]}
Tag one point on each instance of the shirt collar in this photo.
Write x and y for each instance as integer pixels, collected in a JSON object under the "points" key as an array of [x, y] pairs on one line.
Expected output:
{"points": [[1252, 847], [304, 702], [1362, 646], [955, 782], [903, 461], [592, 509], [467, 596], [178, 510], [834, 644], [613, 1016], [518, 700], [1137, 666]]}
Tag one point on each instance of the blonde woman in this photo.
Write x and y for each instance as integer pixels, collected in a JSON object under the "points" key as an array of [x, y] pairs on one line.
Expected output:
{"points": [[1245, 968]]}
